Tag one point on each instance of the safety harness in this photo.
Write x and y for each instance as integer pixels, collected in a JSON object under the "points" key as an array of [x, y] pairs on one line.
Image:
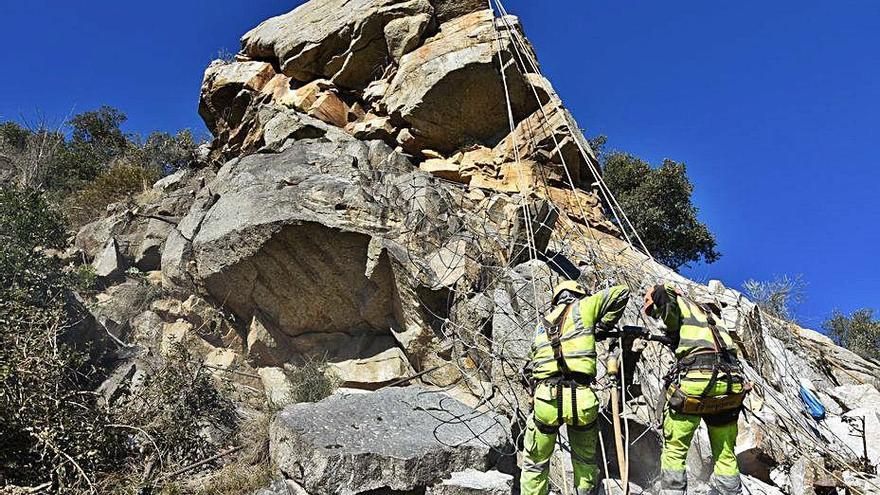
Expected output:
{"points": [[566, 378], [719, 362]]}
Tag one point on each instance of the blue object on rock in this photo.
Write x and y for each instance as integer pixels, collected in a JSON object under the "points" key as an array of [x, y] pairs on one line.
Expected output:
{"points": [[811, 402]]}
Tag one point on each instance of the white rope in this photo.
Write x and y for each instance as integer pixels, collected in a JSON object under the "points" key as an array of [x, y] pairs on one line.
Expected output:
{"points": [[570, 180], [527, 219], [604, 189], [612, 202]]}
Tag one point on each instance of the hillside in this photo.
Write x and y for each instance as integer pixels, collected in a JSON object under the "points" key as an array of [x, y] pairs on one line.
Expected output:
{"points": [[359, 257]]}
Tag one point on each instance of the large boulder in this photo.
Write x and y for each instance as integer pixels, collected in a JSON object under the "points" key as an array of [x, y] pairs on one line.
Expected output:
{"points": [[227, 91], [449, 90], [393, 439], [282, 242], [305, 240], [347, 41]]}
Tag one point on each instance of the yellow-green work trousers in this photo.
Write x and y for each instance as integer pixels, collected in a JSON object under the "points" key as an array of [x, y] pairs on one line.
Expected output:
{"points": [[678, 431], [540, 439]]}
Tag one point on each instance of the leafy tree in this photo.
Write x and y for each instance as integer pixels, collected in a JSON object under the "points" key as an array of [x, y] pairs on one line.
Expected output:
{"points": [[96, 139], [96, 165], [597, 143], [100, 127], [658, 203], [164, 151], [859, 332]]}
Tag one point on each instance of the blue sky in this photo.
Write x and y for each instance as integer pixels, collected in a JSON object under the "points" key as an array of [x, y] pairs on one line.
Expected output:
{"points": [[774, 106]]}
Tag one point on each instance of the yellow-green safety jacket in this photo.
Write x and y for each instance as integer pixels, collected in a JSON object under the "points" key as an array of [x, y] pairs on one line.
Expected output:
{"points": [[688, 325], [577, 334]]}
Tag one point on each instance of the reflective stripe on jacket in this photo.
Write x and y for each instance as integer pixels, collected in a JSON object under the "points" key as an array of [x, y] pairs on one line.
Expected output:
{"points": [[577, 333], [691, 325]]}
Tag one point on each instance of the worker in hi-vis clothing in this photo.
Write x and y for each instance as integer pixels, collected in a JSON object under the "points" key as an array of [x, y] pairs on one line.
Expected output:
{"points": [[706, 384], [562, 368]]}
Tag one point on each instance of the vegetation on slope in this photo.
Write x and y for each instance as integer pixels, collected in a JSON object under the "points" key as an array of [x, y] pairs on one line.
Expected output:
{"points": [[658, 202]]}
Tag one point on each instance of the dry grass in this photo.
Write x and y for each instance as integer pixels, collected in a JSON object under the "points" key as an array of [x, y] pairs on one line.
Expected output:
{"points": [[113, 185], [312, 380], [236, 479], [251, 469]]}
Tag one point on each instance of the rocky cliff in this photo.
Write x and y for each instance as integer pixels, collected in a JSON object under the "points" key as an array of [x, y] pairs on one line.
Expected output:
{"points": [[393, 186]]}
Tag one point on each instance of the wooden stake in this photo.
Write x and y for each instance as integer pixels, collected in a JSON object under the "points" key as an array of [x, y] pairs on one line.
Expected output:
{"points": [[618, 436]]}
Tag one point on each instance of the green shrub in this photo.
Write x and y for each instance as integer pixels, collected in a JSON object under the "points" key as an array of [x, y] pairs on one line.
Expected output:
{"points": [[177, 406], [13, 136], [52, 427], [858, 332]]}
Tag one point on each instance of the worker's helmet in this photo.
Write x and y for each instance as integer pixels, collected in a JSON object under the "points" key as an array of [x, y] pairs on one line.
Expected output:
{"points": [[568, 286], [657, 300]]}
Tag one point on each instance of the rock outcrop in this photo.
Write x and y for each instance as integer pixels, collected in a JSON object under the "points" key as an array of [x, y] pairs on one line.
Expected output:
{"points": [[449, 90]]}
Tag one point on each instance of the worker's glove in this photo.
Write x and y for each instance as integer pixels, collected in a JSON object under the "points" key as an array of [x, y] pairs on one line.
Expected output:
{"points": [[604, 331], [636, 331], [526, 378]]}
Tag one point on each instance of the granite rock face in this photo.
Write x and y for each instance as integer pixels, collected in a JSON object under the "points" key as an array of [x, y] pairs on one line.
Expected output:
{"points": [[342, 40], [394, 439], [449, 90]]}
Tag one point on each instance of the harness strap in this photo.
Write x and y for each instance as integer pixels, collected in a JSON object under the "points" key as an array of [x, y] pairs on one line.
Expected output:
{"points": [[574, 406], [545, 428], [559, 415], [712, 380], [553, 334], [718, 344]]}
